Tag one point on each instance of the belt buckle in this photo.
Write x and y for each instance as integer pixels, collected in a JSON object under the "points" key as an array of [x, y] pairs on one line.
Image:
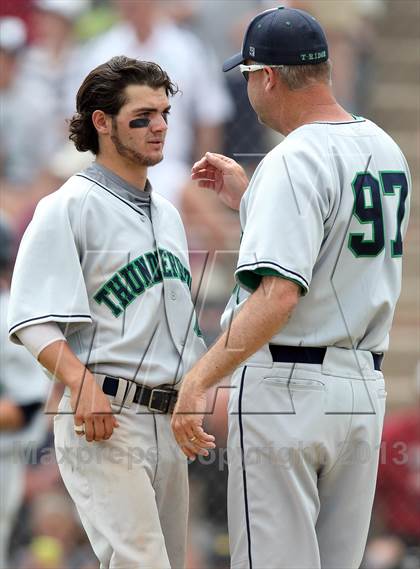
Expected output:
{"points": [[168, 397]]}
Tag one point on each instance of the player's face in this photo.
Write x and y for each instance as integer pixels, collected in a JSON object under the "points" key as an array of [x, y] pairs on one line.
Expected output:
{"points": [[141, 144]]}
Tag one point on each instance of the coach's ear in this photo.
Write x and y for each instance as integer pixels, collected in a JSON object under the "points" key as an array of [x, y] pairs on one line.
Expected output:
{"points": [[271, 78], [102, 122]]}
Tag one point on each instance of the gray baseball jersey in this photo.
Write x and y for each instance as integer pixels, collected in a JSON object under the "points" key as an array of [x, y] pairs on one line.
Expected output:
{"points": [[328, 209], [110, 265], [116, 280]]}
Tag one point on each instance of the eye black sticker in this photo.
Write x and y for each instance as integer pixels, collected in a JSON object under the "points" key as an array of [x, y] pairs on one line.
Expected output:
{"points": [[139, 123]]}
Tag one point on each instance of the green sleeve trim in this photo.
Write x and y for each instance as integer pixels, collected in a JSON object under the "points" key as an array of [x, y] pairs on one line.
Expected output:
{"points": [[251, 280], [197, 329]]}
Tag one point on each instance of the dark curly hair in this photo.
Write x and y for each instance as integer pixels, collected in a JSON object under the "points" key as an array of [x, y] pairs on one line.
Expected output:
{"points": [[104, 90]]}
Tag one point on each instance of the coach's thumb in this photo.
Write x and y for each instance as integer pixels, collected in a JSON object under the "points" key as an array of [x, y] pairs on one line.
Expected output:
{"points": [[217, 160]]}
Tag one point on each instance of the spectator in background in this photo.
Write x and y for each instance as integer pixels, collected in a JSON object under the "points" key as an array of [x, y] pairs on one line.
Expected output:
{"points": [[199, 16], [25, 143], [385, 553], [33, 85], [396, 543], [43, 553], [54, 517], [19, 9], [63, 163], [397, 503], [244, 138], [23, 389], [54, 537], [208, 479], [53, 59]]}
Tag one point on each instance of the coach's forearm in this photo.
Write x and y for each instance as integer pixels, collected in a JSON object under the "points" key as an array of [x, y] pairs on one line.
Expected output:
{"points": [[265, 312], [64, 365]]}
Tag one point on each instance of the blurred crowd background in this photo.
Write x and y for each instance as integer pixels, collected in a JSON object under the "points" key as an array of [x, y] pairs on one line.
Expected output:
{"points": [[46, 49]]}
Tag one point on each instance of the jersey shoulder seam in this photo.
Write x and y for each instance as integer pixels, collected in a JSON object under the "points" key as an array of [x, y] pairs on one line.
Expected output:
{"points": [[79, 236], [333, 175]]}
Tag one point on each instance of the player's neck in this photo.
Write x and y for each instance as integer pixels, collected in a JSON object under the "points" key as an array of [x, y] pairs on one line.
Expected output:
{"points": [[134, 175], [321, 113]]}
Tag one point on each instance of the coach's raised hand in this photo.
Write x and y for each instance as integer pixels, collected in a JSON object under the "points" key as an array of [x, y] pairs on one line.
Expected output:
{"points": [[222, 175]]}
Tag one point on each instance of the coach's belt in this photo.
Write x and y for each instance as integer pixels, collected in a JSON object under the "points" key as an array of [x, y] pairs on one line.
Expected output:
{"points": [[308, 355], [159, 399]]}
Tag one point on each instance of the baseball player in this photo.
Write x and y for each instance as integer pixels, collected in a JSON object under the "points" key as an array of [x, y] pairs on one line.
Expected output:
{"points": [[23, 389], [101, 296], [318, 276]]}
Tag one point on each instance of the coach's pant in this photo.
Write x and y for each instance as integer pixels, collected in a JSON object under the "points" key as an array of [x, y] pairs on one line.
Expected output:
{"points": [[303, 452], [131, 491]]}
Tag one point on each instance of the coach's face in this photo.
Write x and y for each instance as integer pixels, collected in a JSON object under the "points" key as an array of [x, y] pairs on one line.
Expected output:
{"points": [[141, 142], [260, 88], [255, 89]]}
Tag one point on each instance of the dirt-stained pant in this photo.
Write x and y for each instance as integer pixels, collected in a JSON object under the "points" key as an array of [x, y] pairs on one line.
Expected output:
{"points": [[131, 491]]}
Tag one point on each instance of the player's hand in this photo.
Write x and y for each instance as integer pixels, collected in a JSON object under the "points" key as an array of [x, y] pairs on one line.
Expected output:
{"points": [[222, 175], [92, 410], [187, 420]]}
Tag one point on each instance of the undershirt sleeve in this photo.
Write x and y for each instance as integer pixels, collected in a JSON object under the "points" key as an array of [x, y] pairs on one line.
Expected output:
{"points": [[37, 337]]}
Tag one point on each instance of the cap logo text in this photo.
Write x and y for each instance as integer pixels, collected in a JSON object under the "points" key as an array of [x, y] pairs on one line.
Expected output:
{"points": [[313, 56], [251, 51]]}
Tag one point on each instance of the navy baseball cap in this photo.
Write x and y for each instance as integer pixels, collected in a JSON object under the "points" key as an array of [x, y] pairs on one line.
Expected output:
{"points": [[282, 36]]}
